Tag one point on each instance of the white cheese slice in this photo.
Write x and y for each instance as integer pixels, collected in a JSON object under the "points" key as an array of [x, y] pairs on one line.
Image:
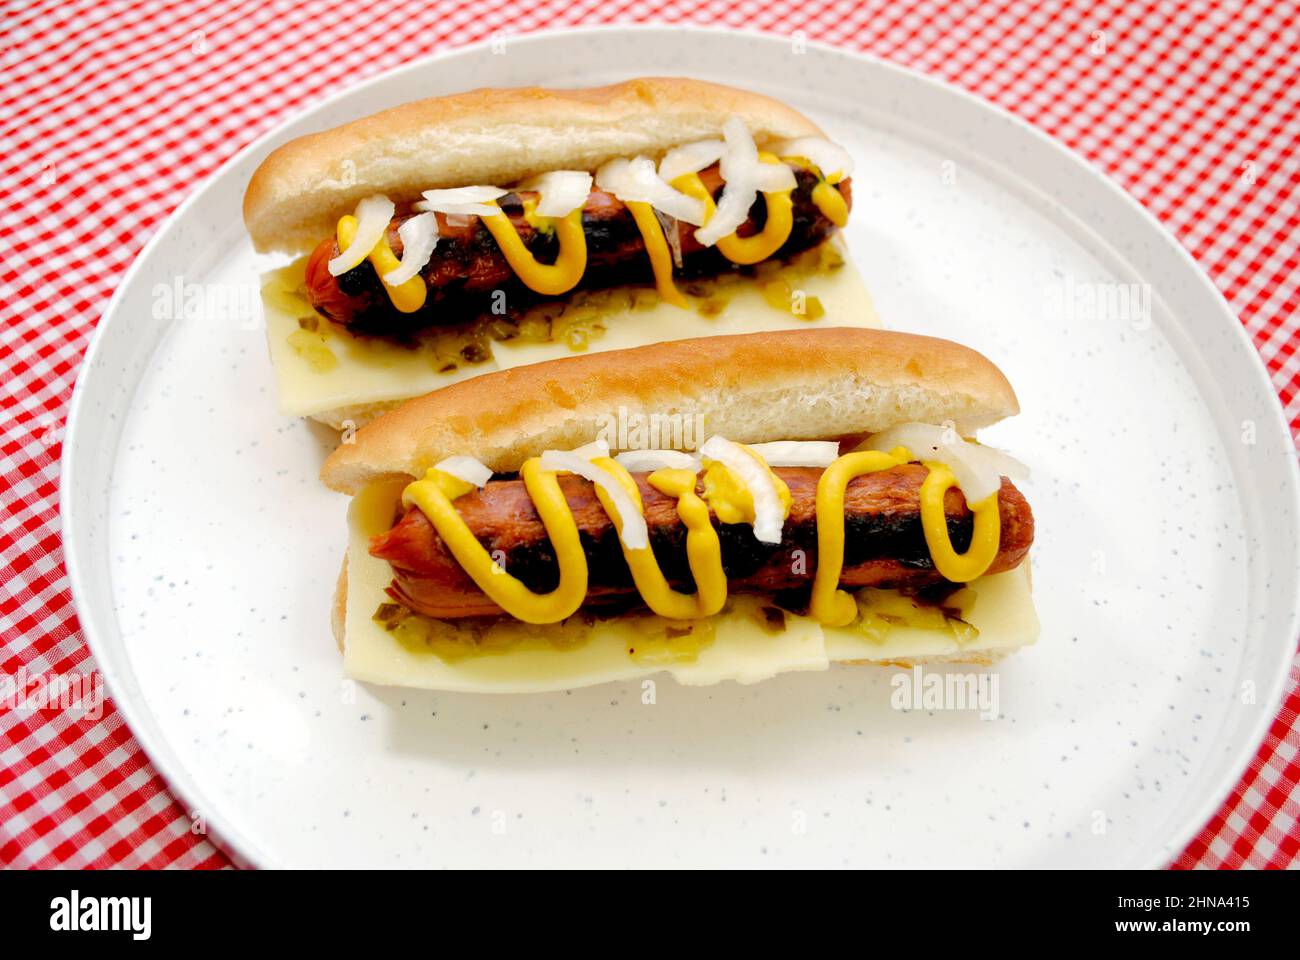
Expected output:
{"points": [[372, 371], [1003, 612], [367, 371], [745, 652], [741, 649], [841, 292]]}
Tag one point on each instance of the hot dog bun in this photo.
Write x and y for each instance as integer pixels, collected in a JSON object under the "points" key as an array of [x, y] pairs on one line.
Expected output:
{"points": [[826, 382], [489, 136]]}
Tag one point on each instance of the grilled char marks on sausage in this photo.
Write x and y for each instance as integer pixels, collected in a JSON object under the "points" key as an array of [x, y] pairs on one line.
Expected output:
{"points": [[467, 266], [884, 542]]}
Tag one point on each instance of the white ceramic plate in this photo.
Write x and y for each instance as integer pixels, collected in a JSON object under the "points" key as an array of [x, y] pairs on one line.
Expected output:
{"points": [[202, 550]]}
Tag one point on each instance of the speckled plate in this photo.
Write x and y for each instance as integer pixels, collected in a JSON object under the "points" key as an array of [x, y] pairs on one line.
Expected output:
{"points": [[202, 549]]}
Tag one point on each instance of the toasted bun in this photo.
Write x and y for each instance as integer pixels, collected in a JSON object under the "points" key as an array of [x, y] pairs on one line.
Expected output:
{"points": [[827, 382], [488, 136]]}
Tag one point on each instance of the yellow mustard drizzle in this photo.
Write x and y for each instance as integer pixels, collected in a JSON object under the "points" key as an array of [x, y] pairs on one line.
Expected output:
{"points": [[656, 246], [825, 196], [703, 549], [829, 605], [760, 246], [730, 497], [531, 217], [406, 297], [434, 495], [830, 202], [548, 279], [985, 539]]}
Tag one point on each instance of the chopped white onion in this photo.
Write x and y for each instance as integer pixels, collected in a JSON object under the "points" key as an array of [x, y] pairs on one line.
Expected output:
{"points": [[694, 157], [739, 169], [419, 236], [560, 192], [775, 177], [832, 160], [978, 469], [647, 461], [465, 468], [769, 514], [637, 180], [634, 534], [590, 451], [690, 158], [373, 215], [798, 453], [465, 201]]}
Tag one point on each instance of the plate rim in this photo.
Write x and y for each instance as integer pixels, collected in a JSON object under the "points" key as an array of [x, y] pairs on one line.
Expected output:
{"points": [[246, 852]]}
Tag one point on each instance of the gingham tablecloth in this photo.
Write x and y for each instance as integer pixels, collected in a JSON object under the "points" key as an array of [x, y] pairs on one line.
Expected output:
{"points": [[114, 111]]}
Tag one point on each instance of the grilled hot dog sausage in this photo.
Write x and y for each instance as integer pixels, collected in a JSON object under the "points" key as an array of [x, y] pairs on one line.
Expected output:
{"points": [[884, 543], [467, 267]]}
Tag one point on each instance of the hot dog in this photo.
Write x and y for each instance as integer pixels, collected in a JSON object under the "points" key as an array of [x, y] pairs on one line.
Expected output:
{"points": [[503, 539], [446, 237]]}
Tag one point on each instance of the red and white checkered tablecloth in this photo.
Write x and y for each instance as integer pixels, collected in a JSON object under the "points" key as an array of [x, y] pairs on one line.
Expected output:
{"points": [[115, 110]]}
